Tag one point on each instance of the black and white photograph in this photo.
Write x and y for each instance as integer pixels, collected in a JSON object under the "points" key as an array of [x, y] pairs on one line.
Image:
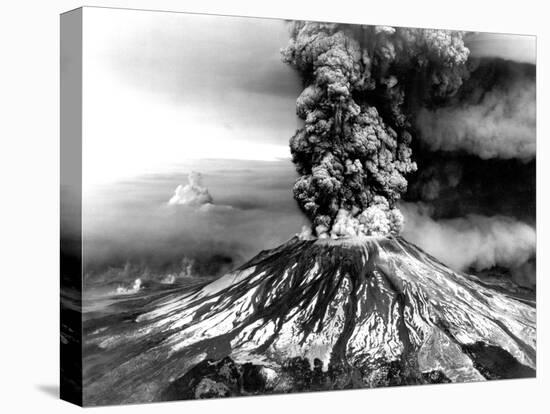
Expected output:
{"points": [[276, 206]]}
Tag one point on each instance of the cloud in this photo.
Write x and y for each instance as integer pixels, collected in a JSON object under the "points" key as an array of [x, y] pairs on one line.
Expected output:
{"points": [[129, 290], [353, 152], [131, 222], [457, 184], [497, 122], [519, 48], [474, 241], [192, 194]]}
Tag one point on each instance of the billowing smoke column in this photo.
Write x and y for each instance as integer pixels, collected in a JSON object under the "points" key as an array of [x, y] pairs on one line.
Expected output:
{"points": [[353, 152]]}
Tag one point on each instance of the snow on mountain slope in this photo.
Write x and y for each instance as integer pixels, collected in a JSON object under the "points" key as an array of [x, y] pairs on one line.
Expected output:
{"points": [[315, 315]]}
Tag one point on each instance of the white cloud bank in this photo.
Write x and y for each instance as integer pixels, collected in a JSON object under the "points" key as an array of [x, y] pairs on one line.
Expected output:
{"points": [[474, 241], [501, 125]]}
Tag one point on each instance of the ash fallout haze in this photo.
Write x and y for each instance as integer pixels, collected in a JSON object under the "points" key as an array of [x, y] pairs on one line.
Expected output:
{"points": [[276, 206]]}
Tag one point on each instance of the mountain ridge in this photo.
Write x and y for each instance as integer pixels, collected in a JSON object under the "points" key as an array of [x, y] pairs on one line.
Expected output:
{"points": [[325, 314]]}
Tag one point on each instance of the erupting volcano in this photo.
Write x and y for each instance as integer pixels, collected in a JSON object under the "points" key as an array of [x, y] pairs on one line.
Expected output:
{"points": [[348, 302], [323, 315]]}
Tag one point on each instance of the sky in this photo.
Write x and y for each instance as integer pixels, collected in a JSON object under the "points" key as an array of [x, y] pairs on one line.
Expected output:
{"points": [[163, 87], [166, 94], [160, 88], [505, 46]]}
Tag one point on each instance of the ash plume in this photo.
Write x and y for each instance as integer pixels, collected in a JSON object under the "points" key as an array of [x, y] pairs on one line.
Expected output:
{"points": [[500, 123], [473, 241], [458, 184], [353, 152]]}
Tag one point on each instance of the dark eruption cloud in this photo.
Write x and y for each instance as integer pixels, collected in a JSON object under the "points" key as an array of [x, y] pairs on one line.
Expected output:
{"points": [[473, 201], [492, 116], [474, 214], [378, 102], [458, 184], [353, 152]]}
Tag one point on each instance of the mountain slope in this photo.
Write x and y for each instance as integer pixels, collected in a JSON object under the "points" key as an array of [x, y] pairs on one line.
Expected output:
{"points": [[324, 314]]}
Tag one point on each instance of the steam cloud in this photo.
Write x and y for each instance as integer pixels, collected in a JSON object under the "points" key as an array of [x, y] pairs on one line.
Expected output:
{"points": [[192, 194], [473, 241], [131, 231], [501, 124], [353, 152]]}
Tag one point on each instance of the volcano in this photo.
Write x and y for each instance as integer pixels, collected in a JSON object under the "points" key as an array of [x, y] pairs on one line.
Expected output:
{"points": [[318, 314]]}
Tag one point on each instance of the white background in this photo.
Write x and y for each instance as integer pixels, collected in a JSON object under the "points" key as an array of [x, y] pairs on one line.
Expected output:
{"points": [[29, 208]]}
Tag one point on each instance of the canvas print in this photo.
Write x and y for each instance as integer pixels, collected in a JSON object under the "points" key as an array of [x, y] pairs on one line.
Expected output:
{"points": [[257, 206]]}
